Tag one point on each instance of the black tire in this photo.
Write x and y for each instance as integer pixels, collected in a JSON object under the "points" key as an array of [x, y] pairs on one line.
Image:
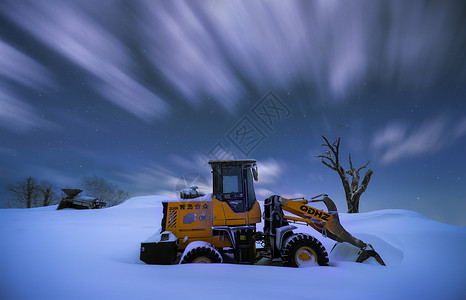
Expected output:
{"points": [[302, 249], [203, 254]]}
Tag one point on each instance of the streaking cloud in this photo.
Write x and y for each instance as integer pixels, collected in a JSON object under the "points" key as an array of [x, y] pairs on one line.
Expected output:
{"points": [[19, 116], [22, 69], [217, 48], [222, 50], [397, 142], [72, 31]]}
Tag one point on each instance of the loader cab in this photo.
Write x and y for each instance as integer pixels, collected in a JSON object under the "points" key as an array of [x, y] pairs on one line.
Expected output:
{"points": [[233, 186]]}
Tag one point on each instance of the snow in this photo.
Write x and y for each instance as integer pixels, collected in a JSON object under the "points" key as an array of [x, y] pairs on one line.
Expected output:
{"points": [[94, 254], [85, 198]]}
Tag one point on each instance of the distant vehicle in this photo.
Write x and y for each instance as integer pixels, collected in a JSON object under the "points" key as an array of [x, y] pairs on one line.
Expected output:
{"points": [[72, 201]]}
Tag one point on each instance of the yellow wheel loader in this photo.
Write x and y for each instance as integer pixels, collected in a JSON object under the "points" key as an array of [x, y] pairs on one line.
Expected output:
{"points": [[223, 225]]}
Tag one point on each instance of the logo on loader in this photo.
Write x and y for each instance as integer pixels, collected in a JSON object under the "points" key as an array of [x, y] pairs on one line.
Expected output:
{"points": [[315, 212]]}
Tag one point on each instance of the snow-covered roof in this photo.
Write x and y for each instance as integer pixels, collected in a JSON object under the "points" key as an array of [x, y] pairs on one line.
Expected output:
{"points": [[233, 161]]}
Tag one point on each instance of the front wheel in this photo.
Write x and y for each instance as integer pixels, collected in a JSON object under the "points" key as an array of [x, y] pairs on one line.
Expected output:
{"points": [[201, 252], [303, 250]]}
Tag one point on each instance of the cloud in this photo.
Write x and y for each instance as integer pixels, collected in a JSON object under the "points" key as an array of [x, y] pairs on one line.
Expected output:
{"points": [[70, 29], [210, 48], [18, 68], [166, 193], [262, 193], [396, 141], [184, 48], [392, 134], [22, 69], [195, 162], [222, 49], [16, 115], [295, 195], [460, 128], [59, 177], [270, 171], [151, 180]]}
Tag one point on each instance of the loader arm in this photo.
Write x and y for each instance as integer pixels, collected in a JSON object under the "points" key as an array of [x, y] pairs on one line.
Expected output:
{"points": [[327, 223]]}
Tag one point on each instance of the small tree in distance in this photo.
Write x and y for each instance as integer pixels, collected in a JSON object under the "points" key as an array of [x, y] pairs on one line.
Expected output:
{"points": [[28, 193], [104, 190], [48, 193], [354, 190]]}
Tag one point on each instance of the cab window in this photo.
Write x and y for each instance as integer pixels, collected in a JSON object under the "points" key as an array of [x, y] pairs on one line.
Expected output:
{"points": [[231, 181]]}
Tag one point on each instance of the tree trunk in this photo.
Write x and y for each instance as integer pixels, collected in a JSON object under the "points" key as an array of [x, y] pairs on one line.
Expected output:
{"points": [[353, 205], [46, 200], [29, 191]]}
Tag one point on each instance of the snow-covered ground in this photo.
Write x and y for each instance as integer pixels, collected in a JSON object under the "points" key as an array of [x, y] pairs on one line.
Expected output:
{"points": [[94, 254]]}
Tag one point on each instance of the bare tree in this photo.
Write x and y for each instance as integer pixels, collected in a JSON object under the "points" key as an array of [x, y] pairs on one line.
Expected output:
{"points": [[354, 190], [104, 190], [24, 192], [28, 193], [48, 193]]}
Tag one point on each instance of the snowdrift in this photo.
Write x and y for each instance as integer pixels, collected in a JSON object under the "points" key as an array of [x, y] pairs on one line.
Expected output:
{"points": [[94, 254]]}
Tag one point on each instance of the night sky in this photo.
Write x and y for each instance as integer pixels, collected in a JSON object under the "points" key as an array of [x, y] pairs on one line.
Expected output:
{"points": [[143, 93]]}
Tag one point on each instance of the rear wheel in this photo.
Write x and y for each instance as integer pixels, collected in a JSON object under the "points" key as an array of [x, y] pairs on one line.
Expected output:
{"points": [[303, 250], [204, 253]]}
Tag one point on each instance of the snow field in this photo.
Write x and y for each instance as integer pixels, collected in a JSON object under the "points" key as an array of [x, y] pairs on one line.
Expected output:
{"points": [[94, 254]]}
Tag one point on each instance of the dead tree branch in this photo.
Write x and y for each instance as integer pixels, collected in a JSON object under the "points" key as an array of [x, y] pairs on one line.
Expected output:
{"points": [[354, 190]]}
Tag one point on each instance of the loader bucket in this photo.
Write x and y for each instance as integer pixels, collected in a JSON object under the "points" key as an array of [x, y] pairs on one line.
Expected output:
{"points": [[334, 230], [369, 252]]}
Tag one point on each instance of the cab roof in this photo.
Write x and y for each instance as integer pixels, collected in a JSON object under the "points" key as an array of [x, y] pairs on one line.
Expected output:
{"points": [[232, 162]]}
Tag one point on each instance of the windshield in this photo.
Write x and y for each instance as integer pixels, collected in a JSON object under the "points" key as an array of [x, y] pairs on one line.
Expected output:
{"points": [[231, 180]]}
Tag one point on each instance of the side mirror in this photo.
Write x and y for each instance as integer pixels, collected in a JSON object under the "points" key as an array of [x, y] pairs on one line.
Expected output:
{"points": [[255, 173]]}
